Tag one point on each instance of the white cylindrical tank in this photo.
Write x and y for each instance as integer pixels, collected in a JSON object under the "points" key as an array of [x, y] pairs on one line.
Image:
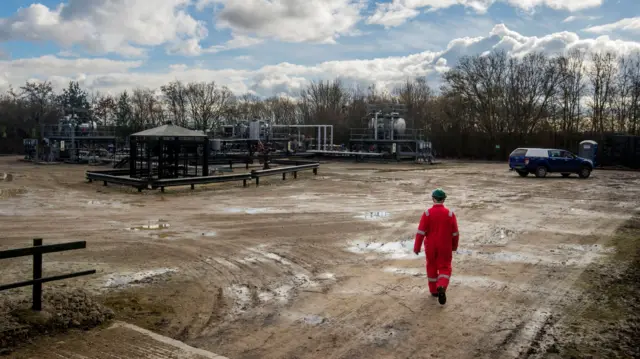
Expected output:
{"points": [[400, 126], [372, 122], [216, 145], [254, 130]]}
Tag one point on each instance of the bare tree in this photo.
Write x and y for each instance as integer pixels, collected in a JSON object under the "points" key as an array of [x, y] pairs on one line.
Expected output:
{"points": [[147, 110], [601, 75], [208, 104], [175, 96], [571, 88]]}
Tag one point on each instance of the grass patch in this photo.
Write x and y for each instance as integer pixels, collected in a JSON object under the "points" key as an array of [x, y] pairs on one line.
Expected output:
{"points": [[605, 323]]}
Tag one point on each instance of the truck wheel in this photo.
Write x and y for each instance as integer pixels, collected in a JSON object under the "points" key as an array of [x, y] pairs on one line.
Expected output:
{"points": [[585, 172], [541, 172], [523, 173], [565, 175]]}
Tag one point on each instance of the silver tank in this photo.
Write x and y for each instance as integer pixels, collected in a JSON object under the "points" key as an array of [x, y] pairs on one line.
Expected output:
{"points": [[216, 145], [400, 126], [254, 130]]}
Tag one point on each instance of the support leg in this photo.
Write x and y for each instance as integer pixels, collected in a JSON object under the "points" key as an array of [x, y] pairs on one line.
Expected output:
{"points": [[193, 186], [284, 176], [295, 174], [244, 183], [37, 274], [162, 189], [315, 171], [139, 189], [104, 183], [257, 181]]}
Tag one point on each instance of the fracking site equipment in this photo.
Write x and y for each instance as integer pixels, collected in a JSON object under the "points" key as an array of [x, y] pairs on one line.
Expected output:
{"points": [[387, 133]]}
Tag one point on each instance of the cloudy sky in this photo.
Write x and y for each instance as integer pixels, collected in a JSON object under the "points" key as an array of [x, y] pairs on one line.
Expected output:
{"points": [[272, 47]]}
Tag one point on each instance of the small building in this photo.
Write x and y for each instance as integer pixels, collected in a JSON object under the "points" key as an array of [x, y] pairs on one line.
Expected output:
{"points": [[168, 151]]}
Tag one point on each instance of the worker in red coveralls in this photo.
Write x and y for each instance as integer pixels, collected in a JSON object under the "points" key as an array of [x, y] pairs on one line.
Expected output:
{"points": [[438, 229]]}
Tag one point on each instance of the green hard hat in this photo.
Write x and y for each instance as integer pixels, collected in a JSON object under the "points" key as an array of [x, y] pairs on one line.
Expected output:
{"points": [[438, 194]]}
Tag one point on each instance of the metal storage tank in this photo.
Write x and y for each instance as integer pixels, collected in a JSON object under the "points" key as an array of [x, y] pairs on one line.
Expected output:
{"points": [[589, 150], [254, 130], [400, 126], [216, 145]]}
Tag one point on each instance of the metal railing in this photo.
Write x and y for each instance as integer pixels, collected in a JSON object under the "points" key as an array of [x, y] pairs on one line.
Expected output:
{"points": [[117, 177], [68, 132], [168, 182], [367, 134], [36, 282], [284, 170], [121, 176]]}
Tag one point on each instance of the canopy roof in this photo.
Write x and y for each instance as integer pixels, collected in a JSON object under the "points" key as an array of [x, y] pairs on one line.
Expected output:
{"points": [[169, 130]]}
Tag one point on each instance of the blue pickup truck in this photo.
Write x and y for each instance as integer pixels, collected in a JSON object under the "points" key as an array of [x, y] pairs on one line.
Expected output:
{"points": [[541, 161]]}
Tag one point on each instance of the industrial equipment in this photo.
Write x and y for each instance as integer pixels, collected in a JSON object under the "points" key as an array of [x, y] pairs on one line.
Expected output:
{"points": [[387, 134]]}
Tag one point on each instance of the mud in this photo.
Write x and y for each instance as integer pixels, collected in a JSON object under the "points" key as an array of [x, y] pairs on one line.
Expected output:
{"points": [[322, 266], [60, 311]]}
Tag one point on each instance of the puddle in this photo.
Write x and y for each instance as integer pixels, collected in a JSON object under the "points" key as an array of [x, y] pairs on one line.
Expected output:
{"points": [[150, 226], [554, 258], [586, 248], [313, 319], [414, 272], [123, 279], [247, 210], [209, 234], [326, 276], [393, 250], [114, 204], [483, 233], [373, 216]]}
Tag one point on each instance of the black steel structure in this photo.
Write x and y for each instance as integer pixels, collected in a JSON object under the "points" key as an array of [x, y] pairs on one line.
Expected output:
{"points": [[170, 155], [36, 252], [168, 151]]}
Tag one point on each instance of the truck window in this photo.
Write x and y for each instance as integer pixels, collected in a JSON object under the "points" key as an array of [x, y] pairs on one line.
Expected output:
{"points": [[519, 152]]}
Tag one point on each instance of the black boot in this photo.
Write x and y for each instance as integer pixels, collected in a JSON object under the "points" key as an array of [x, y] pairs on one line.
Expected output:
{"points": [[442, 297]]}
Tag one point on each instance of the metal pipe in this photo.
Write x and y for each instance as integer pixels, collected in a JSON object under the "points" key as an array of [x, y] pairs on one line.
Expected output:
{"points": [[318, 138], [324, 139], [375, 127], [331, 140], [299, 126]]}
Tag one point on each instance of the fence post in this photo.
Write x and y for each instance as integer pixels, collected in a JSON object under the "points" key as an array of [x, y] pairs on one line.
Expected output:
{"points": [[37, 274]]}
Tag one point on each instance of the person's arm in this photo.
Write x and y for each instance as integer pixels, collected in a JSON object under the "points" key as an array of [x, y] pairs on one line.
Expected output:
{"points": [[422, 232], [455, 235]]}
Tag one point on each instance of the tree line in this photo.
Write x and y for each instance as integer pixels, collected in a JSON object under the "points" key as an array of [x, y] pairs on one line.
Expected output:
{"points": [[485, 106]]}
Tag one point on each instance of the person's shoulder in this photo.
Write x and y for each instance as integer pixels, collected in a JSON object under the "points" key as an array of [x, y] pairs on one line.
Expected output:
{"points": [[448, 211]]}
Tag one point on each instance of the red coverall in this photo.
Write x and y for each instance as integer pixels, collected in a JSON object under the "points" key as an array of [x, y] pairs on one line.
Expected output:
{"points": [[440, 227]]}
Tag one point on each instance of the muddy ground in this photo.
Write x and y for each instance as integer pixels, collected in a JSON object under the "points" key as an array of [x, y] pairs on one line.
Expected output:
{"points": [[322, 266]]}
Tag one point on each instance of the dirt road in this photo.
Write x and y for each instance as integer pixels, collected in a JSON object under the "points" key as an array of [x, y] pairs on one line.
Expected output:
{"points": [[322, 266]]}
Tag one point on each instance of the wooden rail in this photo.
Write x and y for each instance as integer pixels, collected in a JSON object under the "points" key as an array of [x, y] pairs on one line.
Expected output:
{"points": [[37, 251]]}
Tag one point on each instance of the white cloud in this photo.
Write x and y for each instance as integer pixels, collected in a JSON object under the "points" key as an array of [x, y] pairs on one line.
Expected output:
{"points": [[321, 21], [573, 18], [399, 11], [631, 24], [125, 27], [286, 78]]}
